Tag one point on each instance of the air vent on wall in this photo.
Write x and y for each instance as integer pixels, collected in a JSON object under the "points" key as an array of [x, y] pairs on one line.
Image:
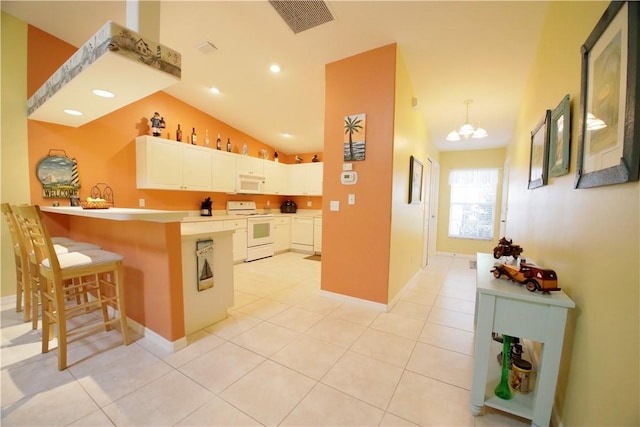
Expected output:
{"points": [[302, 15]]}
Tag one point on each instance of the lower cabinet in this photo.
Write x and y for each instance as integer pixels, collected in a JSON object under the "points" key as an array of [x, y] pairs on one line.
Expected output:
{"points": [[317, 235], [239, 238], [282, 234]]}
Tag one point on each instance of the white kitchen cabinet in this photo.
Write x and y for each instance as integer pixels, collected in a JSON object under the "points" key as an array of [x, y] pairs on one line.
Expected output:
{"points": [[306, 179], [317, 235], [239, 237], [302, 233], [249, 165], [281, 233], [170, 165], [223, 171], [276, 176]]}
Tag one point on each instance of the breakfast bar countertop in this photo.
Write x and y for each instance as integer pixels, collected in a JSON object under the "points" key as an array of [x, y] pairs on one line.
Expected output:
{"points": [[119, 214]]}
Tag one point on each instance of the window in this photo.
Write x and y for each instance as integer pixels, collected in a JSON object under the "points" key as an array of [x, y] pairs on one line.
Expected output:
{"points": [[473, 203]]}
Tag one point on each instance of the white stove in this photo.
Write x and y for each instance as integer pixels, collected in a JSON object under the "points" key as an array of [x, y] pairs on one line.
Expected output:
{"points": [[244, 208], [259, 229]]}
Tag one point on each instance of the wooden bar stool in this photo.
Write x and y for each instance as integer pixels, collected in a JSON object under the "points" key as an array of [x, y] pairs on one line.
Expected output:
{"points": [[23, 289], [61, 245], [96, 272]]}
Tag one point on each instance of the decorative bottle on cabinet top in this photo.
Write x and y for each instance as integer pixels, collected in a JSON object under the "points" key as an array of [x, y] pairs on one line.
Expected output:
{"points": [[207, 142], [218, 143], [193, 136], [228, 145], [179, 134]]}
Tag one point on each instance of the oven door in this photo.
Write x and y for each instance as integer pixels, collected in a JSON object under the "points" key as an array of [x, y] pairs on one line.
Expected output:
{"points": [[259, 231]]}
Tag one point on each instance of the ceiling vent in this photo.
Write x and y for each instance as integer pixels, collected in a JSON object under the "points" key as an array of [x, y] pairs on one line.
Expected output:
{"points": [[302, 15]]}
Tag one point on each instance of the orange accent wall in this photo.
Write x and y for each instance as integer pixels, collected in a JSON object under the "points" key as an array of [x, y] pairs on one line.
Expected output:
{"points": [[355, 255], [47, 53]]}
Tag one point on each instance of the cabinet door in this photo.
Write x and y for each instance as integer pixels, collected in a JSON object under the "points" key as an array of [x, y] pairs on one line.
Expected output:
{"points": [[281, 234], [251, 165], [297, 180], [158, 163], [317, 235], [223, 171], [306, 179], [314, 179], [196, 168], [276, 178]]}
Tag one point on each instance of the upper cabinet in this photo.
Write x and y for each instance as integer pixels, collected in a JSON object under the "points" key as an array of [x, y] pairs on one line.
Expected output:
{"points": [[306, 179], [162, 164], [170, 165], [223, 173], [276, 178], [249, 165]]}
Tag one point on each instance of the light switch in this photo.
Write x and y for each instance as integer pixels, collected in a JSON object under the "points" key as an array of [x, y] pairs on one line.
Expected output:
{"points": [[334, 205], [141, 203], [352, 199]]}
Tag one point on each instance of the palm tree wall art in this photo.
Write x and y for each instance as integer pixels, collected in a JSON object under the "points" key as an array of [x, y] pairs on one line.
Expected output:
{"points": [[354, 140]]}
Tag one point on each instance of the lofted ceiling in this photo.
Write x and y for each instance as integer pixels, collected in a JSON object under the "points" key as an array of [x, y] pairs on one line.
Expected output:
{"points": [[453, 50]]}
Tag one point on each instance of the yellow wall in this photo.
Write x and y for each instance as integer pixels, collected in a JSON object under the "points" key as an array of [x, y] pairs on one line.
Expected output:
{"points": [[589, 236], [475, 159], [411, 138], [14, 167]]}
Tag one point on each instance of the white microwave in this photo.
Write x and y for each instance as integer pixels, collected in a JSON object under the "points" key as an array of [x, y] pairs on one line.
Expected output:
{"points": [[249, 183]]}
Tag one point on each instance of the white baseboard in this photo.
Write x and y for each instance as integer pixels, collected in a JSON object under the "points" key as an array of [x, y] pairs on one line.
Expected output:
{"points": [[151, 338]]}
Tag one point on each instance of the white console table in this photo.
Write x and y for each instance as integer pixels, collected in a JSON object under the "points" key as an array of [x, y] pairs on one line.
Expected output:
{"points": [[507, 308]]}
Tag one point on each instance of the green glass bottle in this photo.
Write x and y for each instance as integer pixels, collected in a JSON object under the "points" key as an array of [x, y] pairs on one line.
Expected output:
{"points": [[503, 391]]}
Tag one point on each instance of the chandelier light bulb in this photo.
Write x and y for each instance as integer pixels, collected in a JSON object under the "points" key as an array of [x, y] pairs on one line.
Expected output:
{"points": [[467, 130]]}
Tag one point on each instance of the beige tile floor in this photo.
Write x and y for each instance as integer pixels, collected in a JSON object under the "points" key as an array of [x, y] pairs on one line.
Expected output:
{"points": [[287, 355]]}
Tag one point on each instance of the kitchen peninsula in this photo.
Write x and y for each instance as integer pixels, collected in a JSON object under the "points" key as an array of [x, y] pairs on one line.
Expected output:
{"points": [[161, 290]]}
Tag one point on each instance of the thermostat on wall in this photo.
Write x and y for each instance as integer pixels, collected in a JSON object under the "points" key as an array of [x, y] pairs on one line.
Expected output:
{"points": [[349, 177]]}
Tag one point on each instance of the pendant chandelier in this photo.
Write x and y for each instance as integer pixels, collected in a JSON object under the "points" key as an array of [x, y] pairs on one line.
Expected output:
{"points": [[466, 130]]}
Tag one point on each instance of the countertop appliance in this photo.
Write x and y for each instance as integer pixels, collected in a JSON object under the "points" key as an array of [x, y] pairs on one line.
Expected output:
{"points": [[288, 206]]}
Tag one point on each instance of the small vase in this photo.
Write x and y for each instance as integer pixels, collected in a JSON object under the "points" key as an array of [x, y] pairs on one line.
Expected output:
{"points": [[503, 391]]}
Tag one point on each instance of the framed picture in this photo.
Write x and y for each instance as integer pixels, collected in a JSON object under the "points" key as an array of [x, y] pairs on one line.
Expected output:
{"points": [[560, 138], [609, 147], [204, 261], [354, 143], [415, 181], [539, 157]]}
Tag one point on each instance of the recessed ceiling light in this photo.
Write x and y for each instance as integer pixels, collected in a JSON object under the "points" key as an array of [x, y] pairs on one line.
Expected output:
{"points": [[73, 112], [275, 68], [214, 90], [103, 93], [286, 134]]}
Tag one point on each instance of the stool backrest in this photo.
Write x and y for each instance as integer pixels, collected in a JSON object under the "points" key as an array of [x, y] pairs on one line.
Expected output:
{"points": [[30, 220], [14, 229]]}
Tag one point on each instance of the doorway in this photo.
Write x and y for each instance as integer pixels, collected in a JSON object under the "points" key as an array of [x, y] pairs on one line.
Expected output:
{"points": [[432, 173]]}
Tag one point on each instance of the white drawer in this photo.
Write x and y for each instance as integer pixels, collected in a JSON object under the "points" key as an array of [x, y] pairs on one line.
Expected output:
{"points": [[281, 220], [201, 227], [235, 224]]}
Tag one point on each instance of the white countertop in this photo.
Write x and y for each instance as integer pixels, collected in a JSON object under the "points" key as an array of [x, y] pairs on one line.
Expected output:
{"points": [[194, 216], [119, 214]]}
